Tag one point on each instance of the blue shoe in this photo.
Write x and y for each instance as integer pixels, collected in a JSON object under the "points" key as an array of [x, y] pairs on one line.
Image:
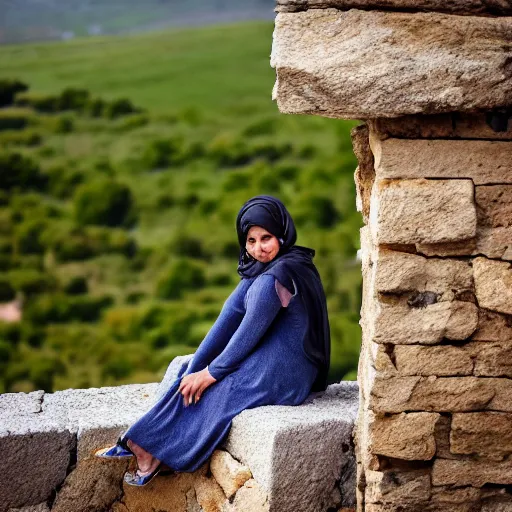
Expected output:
{"points": [[138, 480], [119, 451]]}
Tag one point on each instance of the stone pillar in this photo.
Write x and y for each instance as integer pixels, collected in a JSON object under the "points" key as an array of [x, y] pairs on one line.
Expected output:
{"points": [[434, 186]]}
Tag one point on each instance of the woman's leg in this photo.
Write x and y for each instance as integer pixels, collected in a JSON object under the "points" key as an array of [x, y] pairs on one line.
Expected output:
{"points": [[145, 461]]}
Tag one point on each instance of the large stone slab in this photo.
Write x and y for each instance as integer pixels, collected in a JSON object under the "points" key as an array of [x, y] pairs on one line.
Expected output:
{"points": [[449, 6], [427, 324], [487, 434], [483, 161], [359, 65], [36, 448], [441, 394], [471, 472], [285, 447], [422, 211], [404, 436], [400, 272], [439, 126], [493, 284]]}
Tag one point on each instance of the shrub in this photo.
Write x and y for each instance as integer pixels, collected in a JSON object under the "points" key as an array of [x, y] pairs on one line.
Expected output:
{"points": [[317, 210], [183, 244], [58, 308], [17, 170], [28, 138], [77, 285], [31, 282], [95, 107], [64, 124], [62, 182], [7, 292], [37, 101], [162, 153], [119, 107], [104, 203], [15, 118], [73, 99], [181, 276], [266, 126], [28, 237], [9, 88]]}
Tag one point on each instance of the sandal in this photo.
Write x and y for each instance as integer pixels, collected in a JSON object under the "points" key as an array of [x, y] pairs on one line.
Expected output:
{"points": [[137, 480], [119, 451]]}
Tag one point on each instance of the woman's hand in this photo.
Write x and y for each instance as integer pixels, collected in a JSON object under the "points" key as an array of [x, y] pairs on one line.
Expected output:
{"points": [[193, 385]]}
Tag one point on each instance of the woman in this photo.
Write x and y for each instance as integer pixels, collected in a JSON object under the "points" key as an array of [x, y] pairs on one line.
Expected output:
{"points": [[269, 345]]}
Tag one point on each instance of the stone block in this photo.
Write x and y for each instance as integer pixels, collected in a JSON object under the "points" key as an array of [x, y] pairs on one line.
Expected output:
{"points": [[422, 211], [404, 436], [95, 484], [490, 359], [443, 360], [451, 6], [170, 493], [359, 64], [471, 472], [42, 507], [441, 126], [395, 486], [251, 497], [486, 434], [99, 415], [402, 324], [400, 272], [493, 326], [494, 205], [441, 394], [493, 284], [482, 161], [228, 472], [209, 494], [297, 454], [35, 447]]}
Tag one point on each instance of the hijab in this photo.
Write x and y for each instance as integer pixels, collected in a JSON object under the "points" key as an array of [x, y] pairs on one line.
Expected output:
{"points": [[293, 267]]}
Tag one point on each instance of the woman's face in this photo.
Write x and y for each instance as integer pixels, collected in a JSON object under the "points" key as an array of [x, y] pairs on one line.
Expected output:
{"points": [[261, 245]]}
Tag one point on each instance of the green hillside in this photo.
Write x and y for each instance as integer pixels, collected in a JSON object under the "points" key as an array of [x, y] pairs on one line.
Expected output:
{"points": [[122, 168]]}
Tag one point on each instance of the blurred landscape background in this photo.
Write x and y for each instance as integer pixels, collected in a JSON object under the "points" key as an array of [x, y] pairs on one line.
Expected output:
{"points": [[124, 160]]}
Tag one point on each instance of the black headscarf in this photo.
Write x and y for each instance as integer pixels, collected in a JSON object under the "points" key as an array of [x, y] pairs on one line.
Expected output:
{"points": [[293, 264]]}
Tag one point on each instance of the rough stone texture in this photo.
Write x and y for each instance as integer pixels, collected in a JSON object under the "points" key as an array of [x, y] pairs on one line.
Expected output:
{"points": [[164, 494], [395, 486], [493, 326], [364, 175], [362, 65], [494, 206], [279, 442], [42, 507], [27, 434], [449, 6], [493, 283], [251, 497], [93, 485], [209, 494], [422, 211], [404, 436], [228, 472], [402, 324], [400, 272], [471, 472], [491, 359], [444, 360], [441, 126], [441, 394], [484, 162], [487, 434]]}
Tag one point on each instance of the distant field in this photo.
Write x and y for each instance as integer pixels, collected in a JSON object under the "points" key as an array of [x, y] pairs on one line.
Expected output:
{"points": [[221, 69], [121, 241]]}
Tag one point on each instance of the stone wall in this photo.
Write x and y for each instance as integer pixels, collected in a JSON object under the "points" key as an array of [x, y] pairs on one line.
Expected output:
{"points": [[275, 458], [433, 80]]}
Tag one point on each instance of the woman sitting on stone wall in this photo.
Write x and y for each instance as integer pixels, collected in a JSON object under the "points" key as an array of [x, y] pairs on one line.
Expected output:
{"points": [[269, 345]]}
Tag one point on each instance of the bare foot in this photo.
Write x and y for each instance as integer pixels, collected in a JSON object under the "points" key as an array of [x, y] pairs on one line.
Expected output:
{"points": [[145, 461]]}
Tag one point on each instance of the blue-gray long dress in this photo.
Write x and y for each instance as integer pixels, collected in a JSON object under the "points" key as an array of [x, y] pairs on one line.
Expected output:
{"points": [[255, 351]]}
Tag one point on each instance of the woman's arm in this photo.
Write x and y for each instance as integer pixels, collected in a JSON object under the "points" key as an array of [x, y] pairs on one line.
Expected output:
{"points": [[262, 304], [220, 333]]}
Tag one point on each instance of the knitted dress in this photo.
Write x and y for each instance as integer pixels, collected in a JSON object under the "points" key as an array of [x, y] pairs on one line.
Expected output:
{"points": [[255, 351]]}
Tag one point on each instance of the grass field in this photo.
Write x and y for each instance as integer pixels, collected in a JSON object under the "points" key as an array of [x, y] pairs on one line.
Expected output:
{"points": [[209, 138]]}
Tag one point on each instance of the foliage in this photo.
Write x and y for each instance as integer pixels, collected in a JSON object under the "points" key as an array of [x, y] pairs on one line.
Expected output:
{"points": [[117, 231]]}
